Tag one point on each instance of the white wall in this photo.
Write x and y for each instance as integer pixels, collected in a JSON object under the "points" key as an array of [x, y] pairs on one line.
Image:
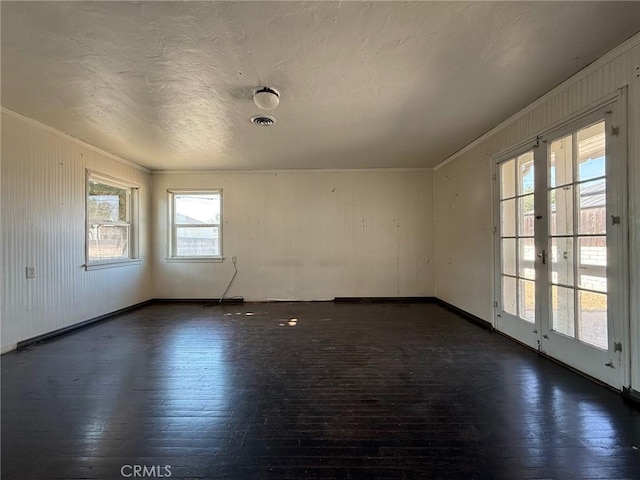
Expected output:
{"points": [[306, 235], [43, 225], [463, 221]]}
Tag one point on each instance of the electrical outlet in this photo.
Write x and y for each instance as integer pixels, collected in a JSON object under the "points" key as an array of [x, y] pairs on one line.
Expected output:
{"points": [[233, 259], [31, 272]]}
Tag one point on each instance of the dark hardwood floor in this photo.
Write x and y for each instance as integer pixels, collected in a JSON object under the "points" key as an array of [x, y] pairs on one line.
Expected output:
{"points": [[371, 391]]}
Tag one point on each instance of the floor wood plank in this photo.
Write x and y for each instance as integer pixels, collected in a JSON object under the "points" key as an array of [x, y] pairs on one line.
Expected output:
{"points": [[347, 391]]}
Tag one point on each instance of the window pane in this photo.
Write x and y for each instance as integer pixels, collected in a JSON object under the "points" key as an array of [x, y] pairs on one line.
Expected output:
{"points": [[108, 241], [526, 261], [560, 162], [525, 216], [593, 282], [106, 203], [562, 310], [593, 252], [561, 211], [509, 256], [592, 263], [197, 241], [562, 261], [197, 208], [509, 295], [593, 319], [591, 152], [525, 173], [527, 300], [508, 179], [593, 207], [508, 218]]}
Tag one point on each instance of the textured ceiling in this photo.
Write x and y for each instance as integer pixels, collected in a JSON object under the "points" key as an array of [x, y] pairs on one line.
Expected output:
{"points": [[168, 84]]}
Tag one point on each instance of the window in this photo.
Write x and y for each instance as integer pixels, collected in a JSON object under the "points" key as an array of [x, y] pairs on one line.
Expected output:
{"points": [[196, 225], [111, 216]]}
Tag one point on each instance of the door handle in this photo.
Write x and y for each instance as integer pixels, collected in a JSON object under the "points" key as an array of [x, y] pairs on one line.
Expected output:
{"points": [[543, 256]]}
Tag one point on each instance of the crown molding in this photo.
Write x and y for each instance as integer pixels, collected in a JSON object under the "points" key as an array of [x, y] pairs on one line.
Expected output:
{"points": [[298, 170]]}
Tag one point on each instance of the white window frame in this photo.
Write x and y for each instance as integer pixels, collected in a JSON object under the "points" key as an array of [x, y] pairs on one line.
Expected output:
{"points": [[132, 221], [172, 241]]}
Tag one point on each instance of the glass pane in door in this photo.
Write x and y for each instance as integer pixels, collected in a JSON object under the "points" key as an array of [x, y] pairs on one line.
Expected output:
{"points": [[508, 218], [592, 197], [561, 162], [526, 258], [561, 210], [562, 261], [507, 179], [525, 216], [593, 319], [592, 263], [509, 297], [562, 303], [525, 173], [509, 256], [591, 156], [527, 300]]}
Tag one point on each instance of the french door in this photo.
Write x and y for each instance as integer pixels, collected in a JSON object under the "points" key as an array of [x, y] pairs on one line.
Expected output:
{"points": [[560, 245]]}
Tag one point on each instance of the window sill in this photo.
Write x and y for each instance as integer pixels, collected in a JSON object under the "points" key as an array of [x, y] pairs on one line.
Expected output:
{"points": [[112, 263], [194, 259]]}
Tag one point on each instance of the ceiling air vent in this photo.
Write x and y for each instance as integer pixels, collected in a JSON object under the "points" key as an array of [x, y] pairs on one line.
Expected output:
{"points": [[263, 120]]}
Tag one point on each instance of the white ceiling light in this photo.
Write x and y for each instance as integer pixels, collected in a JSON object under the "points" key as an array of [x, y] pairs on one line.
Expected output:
{"points": [[266, 98]]}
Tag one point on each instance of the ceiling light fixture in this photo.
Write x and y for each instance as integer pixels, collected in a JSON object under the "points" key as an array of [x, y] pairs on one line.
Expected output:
{"points": [[266, 98]]}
